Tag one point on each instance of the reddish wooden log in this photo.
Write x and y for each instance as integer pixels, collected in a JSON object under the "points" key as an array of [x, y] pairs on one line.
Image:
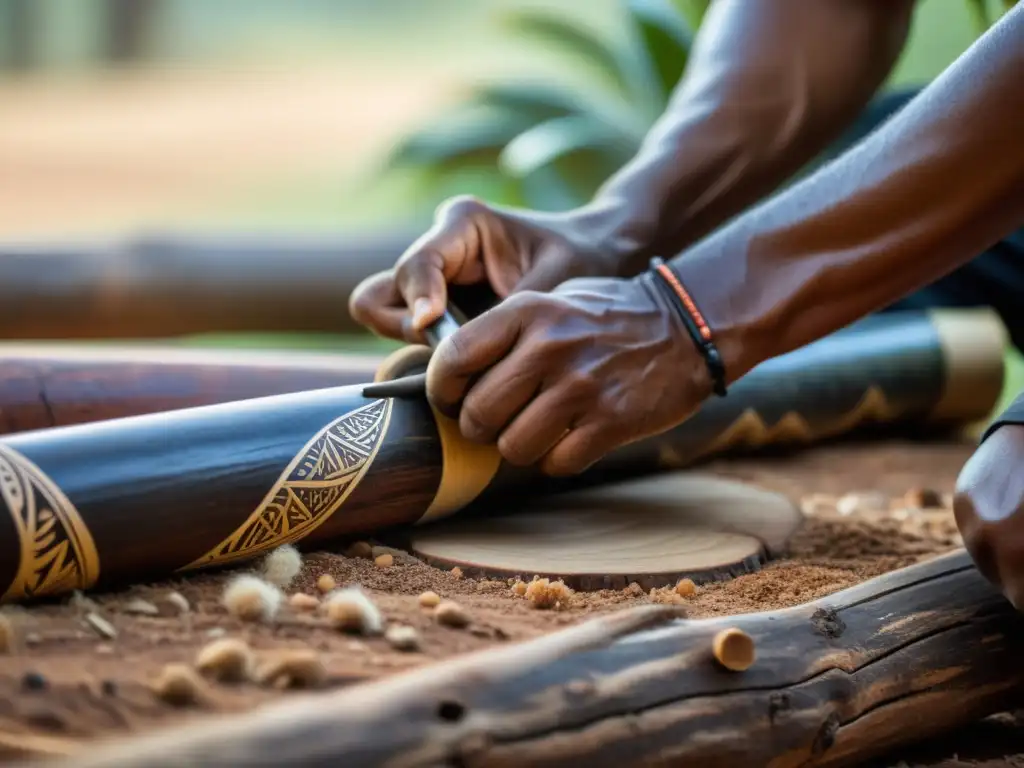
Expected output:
{"points": [[44, 385], [173, 285]]}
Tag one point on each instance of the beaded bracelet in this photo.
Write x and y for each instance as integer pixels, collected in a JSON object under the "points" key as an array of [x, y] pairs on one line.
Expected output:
{"points": [[692, 319]]}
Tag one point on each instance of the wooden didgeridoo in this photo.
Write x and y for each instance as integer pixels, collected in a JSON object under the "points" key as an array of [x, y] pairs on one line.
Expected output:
{"points": [[171, 285], [56, 385], [898, 659], [162, 494]]}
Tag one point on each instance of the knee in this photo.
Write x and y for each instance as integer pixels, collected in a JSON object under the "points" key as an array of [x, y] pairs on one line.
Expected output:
{"points": [[989, 510]]}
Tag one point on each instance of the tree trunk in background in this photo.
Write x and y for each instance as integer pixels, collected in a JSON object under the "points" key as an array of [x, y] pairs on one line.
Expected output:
{"points": [[129, 24]]}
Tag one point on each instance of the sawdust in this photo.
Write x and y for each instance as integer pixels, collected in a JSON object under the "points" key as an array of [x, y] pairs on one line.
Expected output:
{"points": [[66, 682]]}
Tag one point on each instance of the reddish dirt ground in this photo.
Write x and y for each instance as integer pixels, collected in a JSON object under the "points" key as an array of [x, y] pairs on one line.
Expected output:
{"points": [[66, 685]]}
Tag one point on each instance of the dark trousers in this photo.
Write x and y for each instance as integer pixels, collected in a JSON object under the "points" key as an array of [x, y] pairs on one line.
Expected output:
{"points": [[995, 278]]}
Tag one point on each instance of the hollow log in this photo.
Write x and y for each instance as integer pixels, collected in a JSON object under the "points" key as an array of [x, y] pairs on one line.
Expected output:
{"points": [[56, 385], [901, 658], [173, 285], [168, 493]]}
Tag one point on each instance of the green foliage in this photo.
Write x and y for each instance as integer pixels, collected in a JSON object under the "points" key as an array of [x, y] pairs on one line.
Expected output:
{"points": [[552, 145], [981, 16]]}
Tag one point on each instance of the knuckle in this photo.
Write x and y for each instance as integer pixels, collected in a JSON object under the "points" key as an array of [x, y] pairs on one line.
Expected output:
{"points": [[513, 451], [476, 418], [581, 385], [462, 207]]}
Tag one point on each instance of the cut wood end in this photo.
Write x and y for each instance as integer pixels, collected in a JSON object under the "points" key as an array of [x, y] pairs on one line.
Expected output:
{"points": [[734, 649]]}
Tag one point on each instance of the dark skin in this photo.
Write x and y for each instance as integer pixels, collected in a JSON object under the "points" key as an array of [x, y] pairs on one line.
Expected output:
{"points": [[566, 369]]}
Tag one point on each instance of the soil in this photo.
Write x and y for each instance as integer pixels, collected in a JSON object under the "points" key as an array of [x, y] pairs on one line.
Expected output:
{"points": [[65, 683]]}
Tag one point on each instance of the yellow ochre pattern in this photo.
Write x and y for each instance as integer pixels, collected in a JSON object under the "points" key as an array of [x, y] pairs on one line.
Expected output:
{"points": [[311, 488], [57, 553]]}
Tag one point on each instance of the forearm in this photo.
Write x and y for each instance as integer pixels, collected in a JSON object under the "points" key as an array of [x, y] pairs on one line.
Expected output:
{"points": [[938, 184], [768, 85]]}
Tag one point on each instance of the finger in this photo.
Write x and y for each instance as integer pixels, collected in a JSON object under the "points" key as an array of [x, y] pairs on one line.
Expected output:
{"points": [[469, 352], [376, 303], [580, 449], [449, 252], [538, 428], [495, 398]]}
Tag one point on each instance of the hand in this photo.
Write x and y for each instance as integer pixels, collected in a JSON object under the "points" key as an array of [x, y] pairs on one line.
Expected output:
{"points": [[562, 378], [472, 243]]}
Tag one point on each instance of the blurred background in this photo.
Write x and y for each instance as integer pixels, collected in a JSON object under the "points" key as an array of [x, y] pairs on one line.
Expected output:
{"points": [[120, 115]]}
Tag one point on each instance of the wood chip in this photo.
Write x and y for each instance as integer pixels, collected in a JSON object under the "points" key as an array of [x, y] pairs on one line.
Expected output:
{"points": [[300, 668], [384, 561], [430, 599], [686, 588], [300, 601], [326, 583], [403, 638], [101, 626], [178, 601], [178, 685], [451, 614], [140, 607]]}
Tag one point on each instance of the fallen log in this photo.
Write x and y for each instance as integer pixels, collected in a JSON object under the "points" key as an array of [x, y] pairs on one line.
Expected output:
{"points": [[56, 385], [170, 285], [168, 493], [901, 658]]}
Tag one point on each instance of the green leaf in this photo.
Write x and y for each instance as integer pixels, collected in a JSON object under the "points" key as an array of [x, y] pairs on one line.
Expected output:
{"points": [[470, 136], [693, 11], [539, 102], [978, 10], [573, 40], [547, 142], [666, 40], [548, 190]]}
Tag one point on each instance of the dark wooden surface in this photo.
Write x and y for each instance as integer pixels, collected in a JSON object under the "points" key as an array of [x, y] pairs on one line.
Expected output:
{"points": [[171, 285], [897, 659], [58, 385]]}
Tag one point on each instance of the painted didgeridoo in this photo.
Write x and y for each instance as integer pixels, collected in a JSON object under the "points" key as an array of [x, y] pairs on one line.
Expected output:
{"points": [[56, 385], [168, 493]]}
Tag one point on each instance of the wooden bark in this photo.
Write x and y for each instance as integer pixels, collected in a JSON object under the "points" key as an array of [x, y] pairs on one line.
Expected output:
{"points": [[897, 659]]}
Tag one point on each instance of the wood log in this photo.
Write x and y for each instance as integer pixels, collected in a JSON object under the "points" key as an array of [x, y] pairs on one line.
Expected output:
{"points": [[901, 658], [162, 286], [56, 385], [166, 493]]}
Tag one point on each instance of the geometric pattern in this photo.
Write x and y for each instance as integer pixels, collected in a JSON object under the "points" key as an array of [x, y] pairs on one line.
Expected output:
{"points": [[311, 488], [57, 553]]}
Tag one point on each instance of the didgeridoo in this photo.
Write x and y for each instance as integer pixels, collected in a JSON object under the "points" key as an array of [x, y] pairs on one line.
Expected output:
{"points": [[56, 385], [168, 493]]}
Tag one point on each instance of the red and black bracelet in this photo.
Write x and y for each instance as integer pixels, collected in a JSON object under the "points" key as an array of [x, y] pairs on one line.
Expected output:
{"points": [[693, 320]]}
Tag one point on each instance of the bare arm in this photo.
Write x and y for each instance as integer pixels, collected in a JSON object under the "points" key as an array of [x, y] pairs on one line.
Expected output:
{"points": [[936, 185], [769, 84]]}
